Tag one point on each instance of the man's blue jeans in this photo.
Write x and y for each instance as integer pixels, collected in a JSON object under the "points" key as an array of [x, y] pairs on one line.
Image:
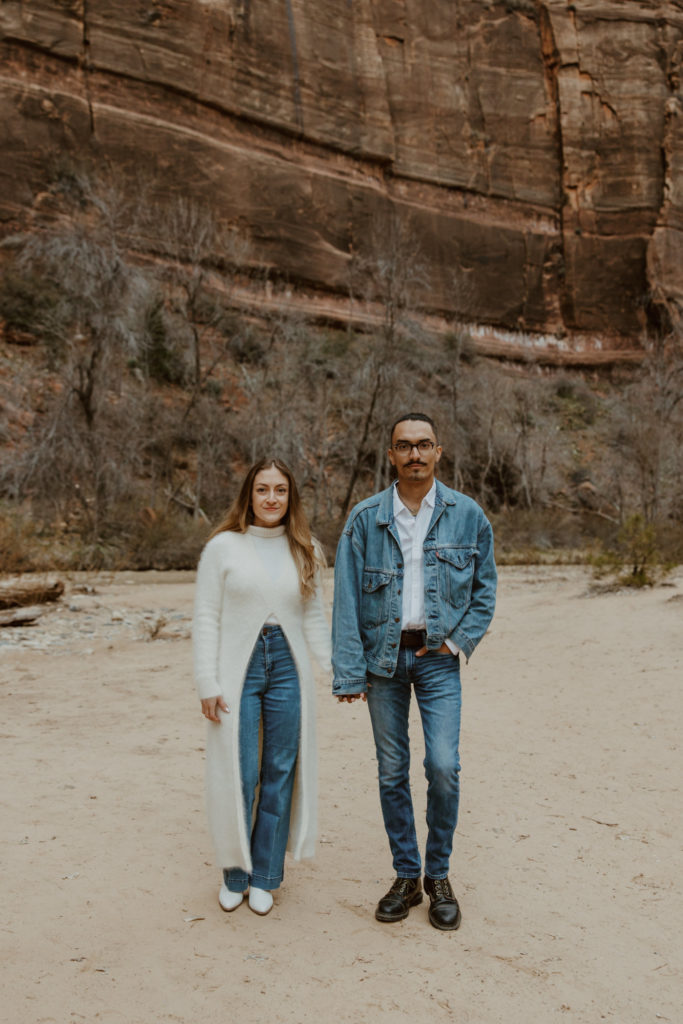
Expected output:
{"points": [[270, 694], [435, 678]]}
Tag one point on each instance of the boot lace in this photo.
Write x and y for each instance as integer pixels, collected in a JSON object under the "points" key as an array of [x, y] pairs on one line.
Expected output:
{"points": [[402, 886], [441, 889]]}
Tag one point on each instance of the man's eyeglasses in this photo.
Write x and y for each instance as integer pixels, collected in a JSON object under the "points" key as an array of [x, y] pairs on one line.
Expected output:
{"points": [[405, 447]]}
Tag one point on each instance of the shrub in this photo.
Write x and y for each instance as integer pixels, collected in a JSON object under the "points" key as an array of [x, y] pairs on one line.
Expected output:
{"points": [[634, 559], [163, 538], [19, 546], [539, 536], [575, 403], [23, 297], [162, 359]]}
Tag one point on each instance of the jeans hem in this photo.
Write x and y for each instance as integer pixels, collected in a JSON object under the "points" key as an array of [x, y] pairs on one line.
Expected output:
{"points": [[408, 872], [241, 885], [265, 883], [235, 883]]}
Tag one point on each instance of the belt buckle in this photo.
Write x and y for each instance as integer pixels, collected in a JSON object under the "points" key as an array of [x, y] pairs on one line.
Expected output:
{"points": [[412, 638]]}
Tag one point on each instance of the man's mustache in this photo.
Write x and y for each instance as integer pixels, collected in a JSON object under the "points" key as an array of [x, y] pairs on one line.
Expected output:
{"points": [[416, 464]]}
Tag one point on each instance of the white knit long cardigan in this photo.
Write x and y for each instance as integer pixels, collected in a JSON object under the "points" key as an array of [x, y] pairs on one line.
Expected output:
{"points": [[234, 596]]}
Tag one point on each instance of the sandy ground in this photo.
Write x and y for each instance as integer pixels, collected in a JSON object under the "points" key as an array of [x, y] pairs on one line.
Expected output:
{"points": [[567, 859]]}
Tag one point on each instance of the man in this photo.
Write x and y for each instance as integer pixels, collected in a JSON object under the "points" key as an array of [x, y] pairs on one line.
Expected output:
{"points": [[415, 585]]}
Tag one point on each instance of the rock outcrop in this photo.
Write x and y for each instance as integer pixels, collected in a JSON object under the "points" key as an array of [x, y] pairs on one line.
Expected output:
{"points": [[534, 148]]}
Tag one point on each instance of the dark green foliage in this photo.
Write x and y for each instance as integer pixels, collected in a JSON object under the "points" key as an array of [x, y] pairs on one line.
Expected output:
{"points": [[27, 301], [575, 403], [246, 347], [634, 558], [161, 357]]}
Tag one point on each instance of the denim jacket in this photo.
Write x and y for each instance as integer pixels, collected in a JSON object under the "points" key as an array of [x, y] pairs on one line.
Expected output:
{"points": [[459, 580]]}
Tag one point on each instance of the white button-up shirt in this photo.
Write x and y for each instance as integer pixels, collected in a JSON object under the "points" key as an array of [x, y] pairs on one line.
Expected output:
{"points": [[412, 530]]}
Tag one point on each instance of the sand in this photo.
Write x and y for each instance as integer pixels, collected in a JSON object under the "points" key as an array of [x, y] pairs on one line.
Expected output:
{"points": [[567, 859]]}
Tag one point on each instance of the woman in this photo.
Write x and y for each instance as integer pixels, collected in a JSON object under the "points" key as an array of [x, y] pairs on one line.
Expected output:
{"points": [[258, 609]]}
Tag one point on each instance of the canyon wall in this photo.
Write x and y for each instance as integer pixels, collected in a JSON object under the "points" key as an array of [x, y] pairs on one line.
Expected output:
{"points": [[535, 149]]}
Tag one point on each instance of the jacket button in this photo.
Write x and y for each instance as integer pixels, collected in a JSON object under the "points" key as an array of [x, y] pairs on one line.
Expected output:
{"points": [[397, 620], [393, 645], [400, 565], [398, 591]]}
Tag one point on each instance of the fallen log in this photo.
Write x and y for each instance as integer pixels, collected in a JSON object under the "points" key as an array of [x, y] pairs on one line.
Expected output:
{"points": [[19, 594], [21, 616]]}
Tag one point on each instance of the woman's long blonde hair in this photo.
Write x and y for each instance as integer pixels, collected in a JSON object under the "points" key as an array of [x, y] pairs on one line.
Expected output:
{"points": [[306, 552]]}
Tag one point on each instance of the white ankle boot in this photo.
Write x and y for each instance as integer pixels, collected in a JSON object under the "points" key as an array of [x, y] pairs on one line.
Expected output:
{"points": [[229, 900], [260, 901]]}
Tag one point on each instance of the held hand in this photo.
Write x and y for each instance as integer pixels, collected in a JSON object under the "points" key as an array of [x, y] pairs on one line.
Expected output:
{"points": [[349, 698], [444, 649], [210, 706]]}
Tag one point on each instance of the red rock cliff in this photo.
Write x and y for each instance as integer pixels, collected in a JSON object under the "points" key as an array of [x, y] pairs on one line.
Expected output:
{"points": [[535, 147]]}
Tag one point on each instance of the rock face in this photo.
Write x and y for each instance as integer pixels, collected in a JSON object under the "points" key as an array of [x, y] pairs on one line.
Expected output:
{"points": [[534, 148]]}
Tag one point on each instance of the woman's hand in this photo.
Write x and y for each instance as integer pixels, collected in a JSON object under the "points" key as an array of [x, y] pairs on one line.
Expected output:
{"points": [[210, 706]]}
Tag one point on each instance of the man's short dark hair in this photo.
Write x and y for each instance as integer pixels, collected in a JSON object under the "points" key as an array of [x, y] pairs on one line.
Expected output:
{"points": [[412, 416]]}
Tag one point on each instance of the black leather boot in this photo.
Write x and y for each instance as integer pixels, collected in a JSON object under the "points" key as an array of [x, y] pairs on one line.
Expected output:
{"points": [[404, 894], [444, 912]]}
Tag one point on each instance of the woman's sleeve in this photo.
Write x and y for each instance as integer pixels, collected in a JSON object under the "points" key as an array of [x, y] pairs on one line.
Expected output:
{"points": [[206, 622], [316, 627]]}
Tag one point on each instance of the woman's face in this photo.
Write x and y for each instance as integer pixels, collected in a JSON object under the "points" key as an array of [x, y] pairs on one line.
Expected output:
{"points": [[269, 497]]}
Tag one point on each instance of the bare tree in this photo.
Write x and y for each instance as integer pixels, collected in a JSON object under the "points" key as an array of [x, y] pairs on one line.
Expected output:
{"points": [[388, 275], [200, 262], [457, 350], [203, 259], [646, 434], [93, 327]]}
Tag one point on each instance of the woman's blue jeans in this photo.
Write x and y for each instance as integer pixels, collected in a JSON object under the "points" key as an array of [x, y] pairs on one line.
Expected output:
{"points": [[270, 695], [435, 678]]}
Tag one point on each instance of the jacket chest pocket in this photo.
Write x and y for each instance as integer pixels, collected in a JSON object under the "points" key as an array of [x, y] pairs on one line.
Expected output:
{"points": [[376, 597], [456, 572]]}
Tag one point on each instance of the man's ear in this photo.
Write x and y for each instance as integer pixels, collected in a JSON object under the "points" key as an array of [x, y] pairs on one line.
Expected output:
{"points": [[390, 453], [439, 451]]}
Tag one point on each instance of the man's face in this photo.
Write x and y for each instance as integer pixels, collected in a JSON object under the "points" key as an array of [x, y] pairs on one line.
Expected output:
{"points": [[414, 465]]}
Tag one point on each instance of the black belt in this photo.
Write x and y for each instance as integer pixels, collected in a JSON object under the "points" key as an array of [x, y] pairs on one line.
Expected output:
{"points": [[413, 638]]}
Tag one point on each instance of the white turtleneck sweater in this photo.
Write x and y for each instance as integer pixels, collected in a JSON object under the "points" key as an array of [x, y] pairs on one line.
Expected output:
{"points": [[243, 581], [273, 556]]}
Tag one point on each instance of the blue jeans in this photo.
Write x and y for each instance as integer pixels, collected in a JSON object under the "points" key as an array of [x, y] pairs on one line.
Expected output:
{"points": [[435, 678], [270, 696]]}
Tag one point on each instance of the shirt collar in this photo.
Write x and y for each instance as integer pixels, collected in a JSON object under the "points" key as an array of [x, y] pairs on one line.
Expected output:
{"points": [[429, 499]]}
